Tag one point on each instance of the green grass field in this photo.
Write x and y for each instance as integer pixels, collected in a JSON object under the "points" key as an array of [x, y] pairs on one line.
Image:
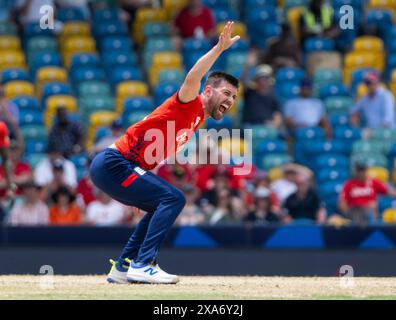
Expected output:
{"points": [[196, 288]]}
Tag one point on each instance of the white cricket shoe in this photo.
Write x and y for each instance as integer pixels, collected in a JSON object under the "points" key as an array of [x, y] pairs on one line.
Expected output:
{"points": [[149, 273], [116, 275]]}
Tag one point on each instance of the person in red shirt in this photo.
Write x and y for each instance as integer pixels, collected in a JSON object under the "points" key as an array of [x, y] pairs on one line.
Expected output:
{"points": [[122, 170], [21, 172], [9, 185], [195, 20], [358, 198]]}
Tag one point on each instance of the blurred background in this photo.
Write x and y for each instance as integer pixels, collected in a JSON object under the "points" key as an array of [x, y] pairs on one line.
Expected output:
{"points": [[318, 82]]}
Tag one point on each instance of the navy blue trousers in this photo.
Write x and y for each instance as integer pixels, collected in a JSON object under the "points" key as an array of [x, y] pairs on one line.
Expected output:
{"points": [[129, 184]]}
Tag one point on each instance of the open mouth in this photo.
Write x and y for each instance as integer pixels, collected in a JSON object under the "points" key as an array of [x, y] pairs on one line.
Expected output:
{"points": [[223, 109]]}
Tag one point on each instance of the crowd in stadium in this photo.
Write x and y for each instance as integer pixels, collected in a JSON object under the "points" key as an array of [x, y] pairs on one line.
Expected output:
{"points": [[318, 98]]}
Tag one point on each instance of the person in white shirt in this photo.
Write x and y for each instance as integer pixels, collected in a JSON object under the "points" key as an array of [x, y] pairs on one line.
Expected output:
{"points": [[105, 211], [31, 211], [286, 186], [43, 173]]}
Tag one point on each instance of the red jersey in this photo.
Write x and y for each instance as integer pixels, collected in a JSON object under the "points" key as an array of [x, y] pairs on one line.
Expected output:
{"points": [[358, 193], [20, 169], [187, 23], [4, 138], [162, 133]]}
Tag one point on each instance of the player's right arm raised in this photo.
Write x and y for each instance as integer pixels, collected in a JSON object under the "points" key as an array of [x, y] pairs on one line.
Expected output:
{"points": [[190, 88]]}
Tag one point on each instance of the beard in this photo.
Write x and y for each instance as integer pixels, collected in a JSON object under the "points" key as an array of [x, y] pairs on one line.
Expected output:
{"points": [[216, 113]]}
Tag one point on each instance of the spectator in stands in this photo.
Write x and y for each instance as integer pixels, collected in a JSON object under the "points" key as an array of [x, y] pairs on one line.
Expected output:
{"points": [[191, 213], [85, 189], [306, 111], [177, 174], [21, 172], [130, 7], [65, 134], [261, 106], [195, 20], [262, 180], [358, 198], [376, 108], [9, 114], [28, 11], [44, 171], [304, 204], [318, 20], [262, 208], [284, 52], [116, 132], [224, 211], [286, 186], [104, 211], [7, 107], [31, 211], [64, 210]]}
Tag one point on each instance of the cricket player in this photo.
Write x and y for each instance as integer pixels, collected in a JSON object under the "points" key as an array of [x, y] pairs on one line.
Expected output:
{"points": [[123, 170]]}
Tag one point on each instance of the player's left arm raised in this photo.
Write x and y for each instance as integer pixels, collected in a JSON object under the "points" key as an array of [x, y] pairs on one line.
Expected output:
{"points": [[191, 85]]}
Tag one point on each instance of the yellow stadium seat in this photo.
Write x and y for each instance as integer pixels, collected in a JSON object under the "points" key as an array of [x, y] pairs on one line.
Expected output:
{"points": [[127, 89], [12, 59], [275, 174], [11, 43], [239, 29], [46, 74], [361, 59], [75, 28], [389, 215], [383, 5], [232, 146], [79, 44], [144, 15], [100, 119], [55, 101], [167, 59], [379, 173], [362, 90], [293, 17], [13, 89], [369, 43], [172, 7]]}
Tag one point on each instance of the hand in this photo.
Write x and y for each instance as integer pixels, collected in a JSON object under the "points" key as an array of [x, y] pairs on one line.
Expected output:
{"points": [[225, 39]]}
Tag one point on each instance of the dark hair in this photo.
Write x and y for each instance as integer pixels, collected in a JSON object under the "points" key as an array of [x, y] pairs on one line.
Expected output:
{"points": [[215, 78], [62, 191]]}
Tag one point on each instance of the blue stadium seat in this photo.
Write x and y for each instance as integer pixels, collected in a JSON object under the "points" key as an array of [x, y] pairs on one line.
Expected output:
{"points": [[335, 161], [70, 14], [54, 88], [101, 133], [318, 44], [356, 4], [287, 91], [270, 146], [35, 146], [259, 3], [357, 77], [333, 90], [30, 116], [314, 133], [113, 43], [86, 73], [109, 28], [163, 91], [108, 14], [40, 60], [315, 148], [347, 134], [216, 3], [156, 29], [386, 202], [339, 119], [14, 74], [194, 44], [382, 19], [34, 29], [329, 174], [289, 74], [330, 188], [119, 58], [225, 14], [138, 103], [225, 123], [85, 60], [26, 102], [123, 73]]}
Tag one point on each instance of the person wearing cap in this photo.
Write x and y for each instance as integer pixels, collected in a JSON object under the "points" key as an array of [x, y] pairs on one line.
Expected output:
{"points": [[376, 108], [306, 111], [261, 106], [65, 134], [31, 211], [358, 197], [262, 212], [44, 171], [116, 133]]}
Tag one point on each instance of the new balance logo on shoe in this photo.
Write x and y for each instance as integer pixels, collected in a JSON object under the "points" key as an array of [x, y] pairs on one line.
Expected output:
{"points": [[151, 271]]}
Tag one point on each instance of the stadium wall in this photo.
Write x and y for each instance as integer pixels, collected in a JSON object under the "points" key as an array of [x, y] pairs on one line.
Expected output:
{"points": [[227, 250]]}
